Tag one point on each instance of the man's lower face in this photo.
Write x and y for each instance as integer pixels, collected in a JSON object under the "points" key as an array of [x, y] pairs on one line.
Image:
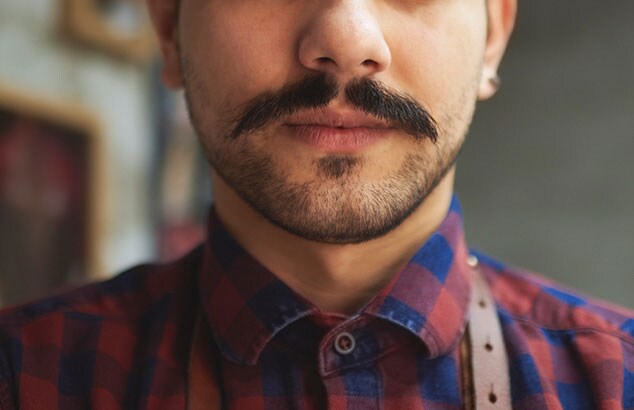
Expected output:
{"points": [[322, 195], [336, 205]]}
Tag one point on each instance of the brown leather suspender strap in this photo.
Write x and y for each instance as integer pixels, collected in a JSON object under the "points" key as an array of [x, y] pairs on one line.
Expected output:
{"points": [[486, 381], [490, 377]]}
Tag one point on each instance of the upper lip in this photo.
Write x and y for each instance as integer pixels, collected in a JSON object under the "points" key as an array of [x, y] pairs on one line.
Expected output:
{"points": [[327, 117]]}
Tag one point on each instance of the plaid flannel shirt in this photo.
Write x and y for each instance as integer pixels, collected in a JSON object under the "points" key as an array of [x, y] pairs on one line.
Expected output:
{"points": [[124, 343]]}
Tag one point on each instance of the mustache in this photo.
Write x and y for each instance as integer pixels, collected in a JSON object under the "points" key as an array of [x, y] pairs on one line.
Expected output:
{"points": [[317, 91]]}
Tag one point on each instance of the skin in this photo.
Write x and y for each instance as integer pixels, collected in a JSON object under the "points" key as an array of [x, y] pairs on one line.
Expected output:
{"points": [[440, 53]]}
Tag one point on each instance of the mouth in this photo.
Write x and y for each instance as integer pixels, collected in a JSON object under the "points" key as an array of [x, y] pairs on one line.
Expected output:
{"points": [[336, 131]]}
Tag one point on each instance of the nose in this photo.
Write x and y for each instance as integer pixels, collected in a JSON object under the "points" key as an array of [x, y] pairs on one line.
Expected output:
{"points": [[344, 38]]}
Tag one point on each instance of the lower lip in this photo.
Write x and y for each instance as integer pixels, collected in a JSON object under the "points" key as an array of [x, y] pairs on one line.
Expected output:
{"points": [[334, 139]]}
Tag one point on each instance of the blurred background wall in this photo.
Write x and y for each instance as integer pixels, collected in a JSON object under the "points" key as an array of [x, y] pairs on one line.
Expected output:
{"points": [[546, 178], [79, 85], [547, 175]]}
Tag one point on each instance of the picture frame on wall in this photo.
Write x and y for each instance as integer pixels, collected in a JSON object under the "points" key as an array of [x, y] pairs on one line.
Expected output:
{"points": [[51, 195], [119, 27]]}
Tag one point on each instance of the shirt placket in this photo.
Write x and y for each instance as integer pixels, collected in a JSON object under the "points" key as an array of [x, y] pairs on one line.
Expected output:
{"points": [[348, 366]]}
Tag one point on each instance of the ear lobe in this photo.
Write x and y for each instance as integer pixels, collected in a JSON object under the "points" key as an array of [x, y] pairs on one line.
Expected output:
{"points": [[501, 19], [489, 84], [164, 16]]}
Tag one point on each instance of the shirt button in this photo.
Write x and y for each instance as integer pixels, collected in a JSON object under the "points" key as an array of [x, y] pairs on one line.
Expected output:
{"points": [[344, 343]]}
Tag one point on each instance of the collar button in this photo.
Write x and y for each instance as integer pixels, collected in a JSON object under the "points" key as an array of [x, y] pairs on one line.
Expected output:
{"points": [[344, 343]]}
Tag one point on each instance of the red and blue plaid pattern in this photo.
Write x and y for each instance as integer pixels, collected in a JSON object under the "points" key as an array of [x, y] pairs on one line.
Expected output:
{"points": [[124, 343]]}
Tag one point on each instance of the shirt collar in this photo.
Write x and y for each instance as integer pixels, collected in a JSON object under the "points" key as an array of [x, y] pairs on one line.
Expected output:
{"points": [[246, 305]]}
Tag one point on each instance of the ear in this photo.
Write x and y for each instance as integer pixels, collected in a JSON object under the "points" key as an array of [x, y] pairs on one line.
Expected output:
{"points": [[164, 16], [501, 15]]}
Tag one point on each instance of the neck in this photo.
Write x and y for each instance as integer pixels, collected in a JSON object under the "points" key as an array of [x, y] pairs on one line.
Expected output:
{"points": [[335, 278]]}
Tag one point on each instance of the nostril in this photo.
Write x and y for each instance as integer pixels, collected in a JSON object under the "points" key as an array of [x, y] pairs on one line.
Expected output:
{"points": [[325, 60]]}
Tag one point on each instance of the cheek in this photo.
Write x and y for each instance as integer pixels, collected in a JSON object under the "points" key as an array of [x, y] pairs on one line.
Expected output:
{"points": [[440, 59], [232, 57]]}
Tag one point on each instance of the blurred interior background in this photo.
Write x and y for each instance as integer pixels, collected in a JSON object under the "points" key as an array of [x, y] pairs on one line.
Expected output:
{"points": [[99, 169]]}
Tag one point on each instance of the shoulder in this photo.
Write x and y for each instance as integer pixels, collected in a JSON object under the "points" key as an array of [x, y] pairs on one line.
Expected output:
{"points": [[536, 300], [100, 325], [123, 297], [564, 347]]}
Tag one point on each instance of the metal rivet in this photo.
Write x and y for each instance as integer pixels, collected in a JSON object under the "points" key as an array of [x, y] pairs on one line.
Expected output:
{"points": [[344, 343], [472, 261]]}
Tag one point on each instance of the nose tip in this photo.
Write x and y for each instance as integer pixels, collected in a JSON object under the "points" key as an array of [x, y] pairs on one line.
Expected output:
{"points": [[344, 40]]}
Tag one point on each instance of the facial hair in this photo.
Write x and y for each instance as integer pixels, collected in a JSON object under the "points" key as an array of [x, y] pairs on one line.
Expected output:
{"points": [[336, 205]]}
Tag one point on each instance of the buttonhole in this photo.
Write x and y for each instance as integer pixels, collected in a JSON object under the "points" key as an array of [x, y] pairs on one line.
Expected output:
{"points": [[493, 397]]}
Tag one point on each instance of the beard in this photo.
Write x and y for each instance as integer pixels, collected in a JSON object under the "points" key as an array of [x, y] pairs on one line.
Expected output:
{"points": [[336, 205]]}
